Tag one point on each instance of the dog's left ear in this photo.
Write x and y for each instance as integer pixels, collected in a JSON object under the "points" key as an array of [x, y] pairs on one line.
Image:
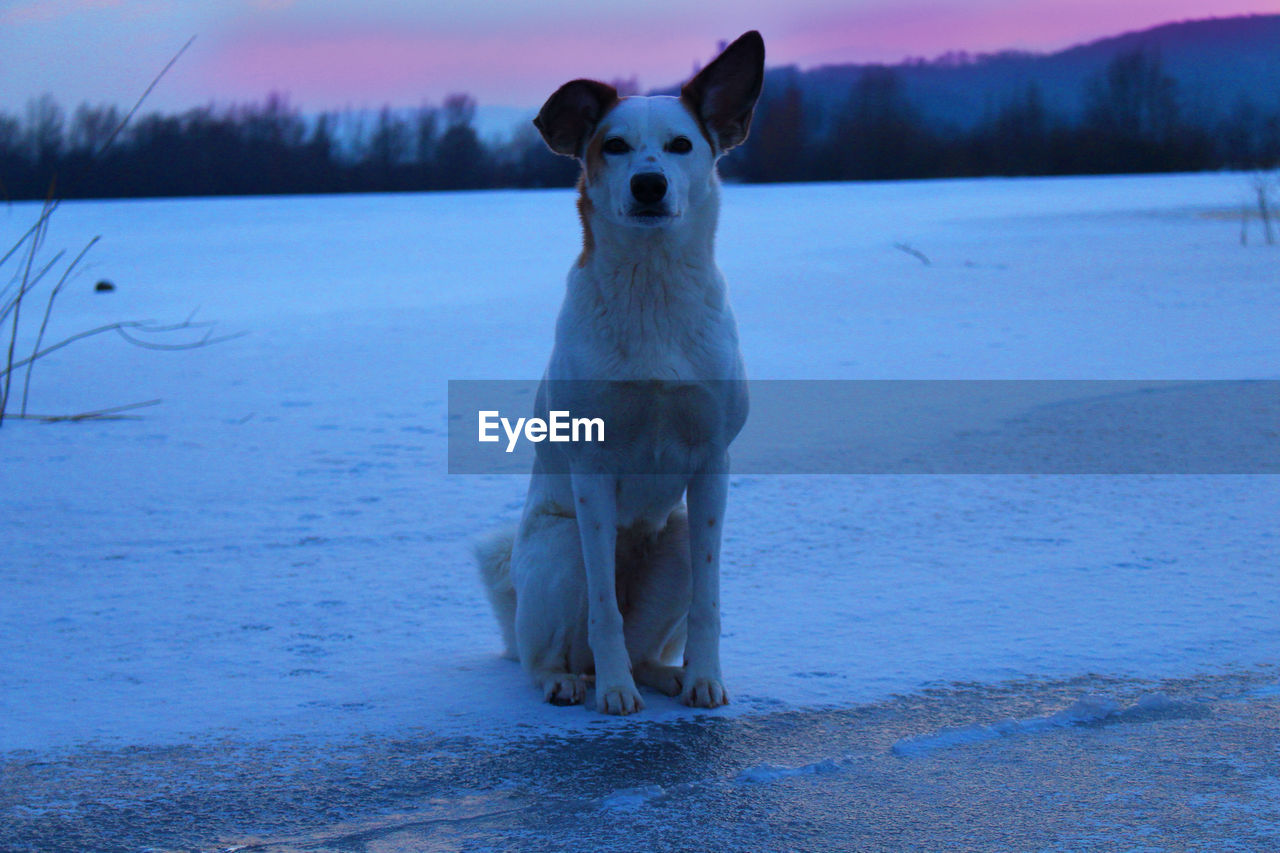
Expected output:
{"points": [[723, 95], [570, 115]]}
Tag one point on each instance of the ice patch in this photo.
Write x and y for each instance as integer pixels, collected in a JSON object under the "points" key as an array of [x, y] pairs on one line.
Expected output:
{"points": [[1269, 691], [1087, 710], [773, 772], [629, 799]]}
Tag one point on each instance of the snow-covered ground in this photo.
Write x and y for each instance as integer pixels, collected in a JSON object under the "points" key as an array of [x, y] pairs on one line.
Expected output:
{"points": [[277, 554]]}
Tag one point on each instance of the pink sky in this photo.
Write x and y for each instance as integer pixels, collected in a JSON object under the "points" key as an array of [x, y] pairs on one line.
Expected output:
{"points": [[367, 52]]}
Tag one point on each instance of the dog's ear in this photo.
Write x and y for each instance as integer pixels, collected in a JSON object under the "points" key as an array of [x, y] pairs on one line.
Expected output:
{"points": [[723, 95], [569, 116]]}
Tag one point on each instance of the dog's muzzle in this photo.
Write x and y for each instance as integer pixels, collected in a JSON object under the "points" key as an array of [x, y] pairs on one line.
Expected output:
{"points": [[649, 189]]}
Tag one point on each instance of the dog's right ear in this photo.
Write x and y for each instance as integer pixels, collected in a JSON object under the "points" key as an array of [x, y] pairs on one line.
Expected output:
{"points": [[569, 117]]}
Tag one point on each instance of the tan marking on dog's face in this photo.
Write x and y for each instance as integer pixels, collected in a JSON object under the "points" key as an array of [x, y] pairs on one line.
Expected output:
{"points": [[585, 209], [593, 164], [593, 159]]}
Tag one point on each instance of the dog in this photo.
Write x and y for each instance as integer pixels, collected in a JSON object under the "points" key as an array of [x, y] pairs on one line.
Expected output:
{"points": [[614, 568]]}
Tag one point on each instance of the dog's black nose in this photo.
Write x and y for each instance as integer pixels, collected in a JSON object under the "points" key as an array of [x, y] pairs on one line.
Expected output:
{"points": [[648, 187]]}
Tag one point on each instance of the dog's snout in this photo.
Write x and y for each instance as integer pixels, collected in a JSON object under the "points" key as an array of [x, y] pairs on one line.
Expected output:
{"points": [[648, 187]]}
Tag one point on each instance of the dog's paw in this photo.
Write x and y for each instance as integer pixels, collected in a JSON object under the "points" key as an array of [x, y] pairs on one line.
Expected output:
{"points": [[620, 699], [563, 688], [705, 692]]}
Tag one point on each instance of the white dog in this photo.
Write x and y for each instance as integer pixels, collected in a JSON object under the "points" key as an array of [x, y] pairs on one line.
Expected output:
{"points": [[607, 572]]}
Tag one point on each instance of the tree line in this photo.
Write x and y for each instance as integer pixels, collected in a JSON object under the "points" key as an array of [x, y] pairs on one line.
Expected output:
{"points": [[265, 148], [1133, 120]]}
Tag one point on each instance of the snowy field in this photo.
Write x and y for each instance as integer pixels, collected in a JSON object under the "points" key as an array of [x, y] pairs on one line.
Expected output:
{"points": [[250, 616]]}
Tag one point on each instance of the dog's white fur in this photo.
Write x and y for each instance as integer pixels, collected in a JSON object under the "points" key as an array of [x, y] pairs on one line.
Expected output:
{"points": [[608, 572]]}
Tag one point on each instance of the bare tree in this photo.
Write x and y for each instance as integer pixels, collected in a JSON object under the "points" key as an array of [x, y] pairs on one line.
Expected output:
{"points": [[45, 120], [92, 127], [1264, 185], [459, 110], [626, 86], [1134, 98], [426, 123], [390, 144]]}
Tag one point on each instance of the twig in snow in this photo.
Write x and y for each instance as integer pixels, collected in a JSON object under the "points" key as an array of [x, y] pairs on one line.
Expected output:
{"points": [[29, 275], [44, 324], [111, 414], [914, 252]]}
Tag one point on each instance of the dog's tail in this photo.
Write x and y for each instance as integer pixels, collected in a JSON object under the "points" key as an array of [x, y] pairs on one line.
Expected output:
{"points": [[493, 553]]}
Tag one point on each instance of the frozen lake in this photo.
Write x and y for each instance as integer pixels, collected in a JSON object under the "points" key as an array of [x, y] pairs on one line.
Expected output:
{"points": [[250, 617]]}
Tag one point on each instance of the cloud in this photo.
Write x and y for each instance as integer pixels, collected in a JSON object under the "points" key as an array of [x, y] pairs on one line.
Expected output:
{"points": [[46, 11], [364, 65]]}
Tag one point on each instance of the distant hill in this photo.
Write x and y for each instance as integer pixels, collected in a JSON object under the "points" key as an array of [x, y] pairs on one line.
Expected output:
{"points": [[1217, 63]]}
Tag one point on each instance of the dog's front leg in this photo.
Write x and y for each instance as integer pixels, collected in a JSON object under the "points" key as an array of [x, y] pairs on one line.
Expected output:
{"points": [[703, 684], [595, 499]]}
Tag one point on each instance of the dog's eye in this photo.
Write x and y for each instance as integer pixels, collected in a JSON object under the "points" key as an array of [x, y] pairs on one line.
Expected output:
{"points": [[680, 145], [615, 145]]}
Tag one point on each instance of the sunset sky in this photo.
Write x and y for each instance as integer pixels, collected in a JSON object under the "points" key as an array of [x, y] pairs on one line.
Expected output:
{"points": [[333, 53]]}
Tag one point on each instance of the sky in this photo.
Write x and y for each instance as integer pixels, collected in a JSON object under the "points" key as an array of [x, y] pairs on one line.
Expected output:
{"points": [[328, 54]]}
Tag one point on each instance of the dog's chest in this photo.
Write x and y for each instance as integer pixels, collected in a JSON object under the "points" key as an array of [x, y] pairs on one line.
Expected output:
{"points": [[653, 352], [655, 348], [656, 435], [669, 325], [656, 427]]}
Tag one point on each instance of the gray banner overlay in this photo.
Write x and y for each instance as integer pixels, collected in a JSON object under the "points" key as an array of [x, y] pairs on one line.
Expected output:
{"points": [[914, 426]]}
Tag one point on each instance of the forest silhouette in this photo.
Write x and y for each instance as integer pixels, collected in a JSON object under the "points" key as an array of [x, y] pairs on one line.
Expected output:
{"points": [[1134, 119]]}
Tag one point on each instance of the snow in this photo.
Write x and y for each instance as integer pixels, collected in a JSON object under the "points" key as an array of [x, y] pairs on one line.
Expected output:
{"points": [[278, 549]]}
